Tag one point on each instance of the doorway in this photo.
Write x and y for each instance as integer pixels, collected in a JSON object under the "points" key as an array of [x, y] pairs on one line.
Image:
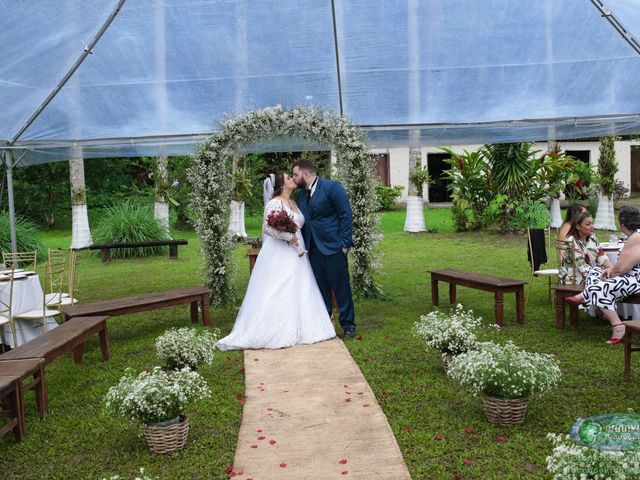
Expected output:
{"points": [[439, 190]]}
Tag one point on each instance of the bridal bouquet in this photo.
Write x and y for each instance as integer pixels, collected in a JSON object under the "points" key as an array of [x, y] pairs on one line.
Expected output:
{"points": [[282, 222]]}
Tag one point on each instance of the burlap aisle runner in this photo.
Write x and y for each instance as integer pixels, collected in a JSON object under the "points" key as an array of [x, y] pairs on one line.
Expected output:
{"points": [[310, 414]]}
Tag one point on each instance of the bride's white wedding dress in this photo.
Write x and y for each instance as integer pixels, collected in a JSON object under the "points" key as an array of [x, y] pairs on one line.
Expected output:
{"points": [[283, 305]]}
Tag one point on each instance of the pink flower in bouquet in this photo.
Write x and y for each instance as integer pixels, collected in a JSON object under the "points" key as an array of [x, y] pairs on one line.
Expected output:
{"points": [[281, 221]]}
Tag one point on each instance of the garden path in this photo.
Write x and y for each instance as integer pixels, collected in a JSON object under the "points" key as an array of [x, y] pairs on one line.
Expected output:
{"points": [[309, 413]]}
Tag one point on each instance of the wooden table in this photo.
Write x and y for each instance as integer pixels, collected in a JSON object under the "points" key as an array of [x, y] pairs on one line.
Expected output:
{"points": [[498, 285], [23, 369]]}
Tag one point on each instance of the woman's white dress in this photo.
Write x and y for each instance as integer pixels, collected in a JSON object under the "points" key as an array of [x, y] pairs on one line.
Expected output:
{"points": [[283, 305]]}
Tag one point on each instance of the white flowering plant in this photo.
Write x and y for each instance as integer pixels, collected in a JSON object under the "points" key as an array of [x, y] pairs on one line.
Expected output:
{"points": [[186, 347], [155, 396], [570, 461], [451, 333], [141, 477], [505, 371]]}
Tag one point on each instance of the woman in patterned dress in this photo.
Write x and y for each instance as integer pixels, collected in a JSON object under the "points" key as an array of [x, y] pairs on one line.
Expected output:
{"points": [[586, 251], [605, 287]]}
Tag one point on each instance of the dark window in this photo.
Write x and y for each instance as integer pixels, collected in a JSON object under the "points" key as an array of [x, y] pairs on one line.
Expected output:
{"points": [[438, 191]]}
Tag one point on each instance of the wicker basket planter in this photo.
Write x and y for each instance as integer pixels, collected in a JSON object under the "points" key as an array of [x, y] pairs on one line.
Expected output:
{"points": [[505, 411], [165, 439]]}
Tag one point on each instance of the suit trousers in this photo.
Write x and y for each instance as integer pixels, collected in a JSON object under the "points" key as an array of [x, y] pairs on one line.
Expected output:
{"points": [[332, 275]]}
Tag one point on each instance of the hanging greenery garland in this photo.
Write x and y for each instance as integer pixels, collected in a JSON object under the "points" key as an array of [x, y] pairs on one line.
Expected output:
{"points": [[212, 180]]}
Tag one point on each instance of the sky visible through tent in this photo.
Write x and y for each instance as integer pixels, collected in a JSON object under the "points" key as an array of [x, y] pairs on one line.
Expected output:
{"points": [[430, 72]]}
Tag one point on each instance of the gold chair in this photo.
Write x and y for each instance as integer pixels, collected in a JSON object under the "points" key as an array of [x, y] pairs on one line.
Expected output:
{"points": [[56, 299], [54, 278], [539, 243], [20, 259]]}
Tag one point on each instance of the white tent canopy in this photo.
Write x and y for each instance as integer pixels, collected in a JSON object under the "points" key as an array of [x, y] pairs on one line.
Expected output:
{"points": [[159, 72]]}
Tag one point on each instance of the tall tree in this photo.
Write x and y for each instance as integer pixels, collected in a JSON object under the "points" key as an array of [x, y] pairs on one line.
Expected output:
{"points": [[161, 183], [80, 232]]}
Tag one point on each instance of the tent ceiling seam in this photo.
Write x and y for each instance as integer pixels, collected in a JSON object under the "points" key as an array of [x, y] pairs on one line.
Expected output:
{"points": [[88, 50], [617, 25]]}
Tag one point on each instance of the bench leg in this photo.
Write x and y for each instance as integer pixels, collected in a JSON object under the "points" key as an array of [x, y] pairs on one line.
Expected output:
{"points": [[573, 314], [499, 308], [42, 395], [434, 292], [520, 304], [627, 355], [106, 254], [560, 311], [77, 353], [452, 293], [104, 343], [194, 311], [17, 409], [173, 251], [206, 315]]}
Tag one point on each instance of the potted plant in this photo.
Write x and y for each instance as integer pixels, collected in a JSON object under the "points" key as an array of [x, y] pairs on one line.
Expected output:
{"points": [[450, 333], [554, 172], [415, 203], [607, 169], [186, 347], [507, 376], [242, 183], [158, 400]]}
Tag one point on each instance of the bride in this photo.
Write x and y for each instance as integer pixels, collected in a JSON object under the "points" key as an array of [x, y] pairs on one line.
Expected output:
{"points": [[283, 305]]}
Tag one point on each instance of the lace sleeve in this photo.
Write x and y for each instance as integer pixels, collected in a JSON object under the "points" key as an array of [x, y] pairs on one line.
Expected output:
{"points": [[274, 206]]}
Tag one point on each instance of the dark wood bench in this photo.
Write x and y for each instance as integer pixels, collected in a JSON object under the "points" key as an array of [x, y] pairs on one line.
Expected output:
{"points": [[631, 327], [68, 336], [10, 390], [564, 291], [20, 370], [149, 301], [498, 285], [106, 247]]}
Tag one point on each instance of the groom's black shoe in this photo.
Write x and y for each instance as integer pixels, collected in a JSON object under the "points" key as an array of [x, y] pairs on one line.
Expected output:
{"points": [[350, 333]]}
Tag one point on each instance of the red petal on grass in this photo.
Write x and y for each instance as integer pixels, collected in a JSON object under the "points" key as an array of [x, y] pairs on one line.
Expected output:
{"points": [[256, 359], [456, 477], [343, 461], [232, 474], [269, 409], [384, 393], [230, 469], [347, 400], [272, 442], [228, 360], [346, 472], [235, 360], [283, 465], [468, 429], [407, 429], [240, 400], [261, 437], [359, 337], [242, 370], [439, 437], [500, 438], [468, 461], [365, 405], [360, 393], [259, 430], [345, 386], [254, 446], [347, 393]]}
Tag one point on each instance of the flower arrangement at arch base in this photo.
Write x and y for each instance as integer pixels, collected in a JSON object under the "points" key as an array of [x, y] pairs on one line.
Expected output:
{"points": [[507, 376], [158, 400]]}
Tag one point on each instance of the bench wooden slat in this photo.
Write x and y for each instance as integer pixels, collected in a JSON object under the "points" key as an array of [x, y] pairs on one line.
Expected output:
{"points": [[150, 243], [66, 337], [150, 301], [476, 279]]}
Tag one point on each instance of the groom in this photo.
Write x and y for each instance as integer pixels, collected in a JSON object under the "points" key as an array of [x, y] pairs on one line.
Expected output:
{"points": [[327, 235]]}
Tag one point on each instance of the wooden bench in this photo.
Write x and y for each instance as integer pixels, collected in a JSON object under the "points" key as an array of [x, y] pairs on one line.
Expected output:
{"points": [[21, 370], [150, 301], [106, 247], [631, 327], [498, 285], [9, 389], [69, 336], [564, 291]]}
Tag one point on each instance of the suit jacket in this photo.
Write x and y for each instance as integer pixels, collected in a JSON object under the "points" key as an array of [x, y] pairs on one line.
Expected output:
{"points": [[328, 217]]}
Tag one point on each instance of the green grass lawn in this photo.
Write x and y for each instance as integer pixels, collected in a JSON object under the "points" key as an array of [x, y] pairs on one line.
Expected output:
{"points": [[428, 413]]}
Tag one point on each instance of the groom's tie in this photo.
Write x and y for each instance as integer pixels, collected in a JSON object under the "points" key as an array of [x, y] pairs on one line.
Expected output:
{"points": [[308, 192]]}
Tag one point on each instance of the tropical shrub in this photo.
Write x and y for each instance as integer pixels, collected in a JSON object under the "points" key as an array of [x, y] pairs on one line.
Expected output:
{"points": [[388, 196], [128, 222], [530, 214], [607, 165], [27, 237], [418, 178]]}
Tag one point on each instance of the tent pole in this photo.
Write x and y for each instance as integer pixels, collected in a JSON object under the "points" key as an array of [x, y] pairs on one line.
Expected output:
{"points": [[12, 211]]}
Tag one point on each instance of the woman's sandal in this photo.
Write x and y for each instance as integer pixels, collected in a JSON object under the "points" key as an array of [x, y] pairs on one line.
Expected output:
{"points": [[577, 299], [617, 340]]}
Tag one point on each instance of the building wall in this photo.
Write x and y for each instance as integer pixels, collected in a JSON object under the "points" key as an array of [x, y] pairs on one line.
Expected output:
{"points": [[399, 159]]}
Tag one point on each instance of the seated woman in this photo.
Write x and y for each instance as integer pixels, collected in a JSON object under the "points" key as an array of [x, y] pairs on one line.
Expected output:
{"points": [[605, 287], [586, 251], [572, 212]]}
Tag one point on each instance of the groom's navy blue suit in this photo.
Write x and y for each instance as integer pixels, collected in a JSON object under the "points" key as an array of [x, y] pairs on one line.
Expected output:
{"points": [[327, 229]]}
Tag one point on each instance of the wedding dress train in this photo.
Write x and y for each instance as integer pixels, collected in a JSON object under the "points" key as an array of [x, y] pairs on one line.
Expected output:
{"points": [[283, 305]]}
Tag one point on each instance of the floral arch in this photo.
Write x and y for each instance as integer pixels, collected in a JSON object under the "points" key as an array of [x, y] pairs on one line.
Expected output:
{"points": [[211, 177]]}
